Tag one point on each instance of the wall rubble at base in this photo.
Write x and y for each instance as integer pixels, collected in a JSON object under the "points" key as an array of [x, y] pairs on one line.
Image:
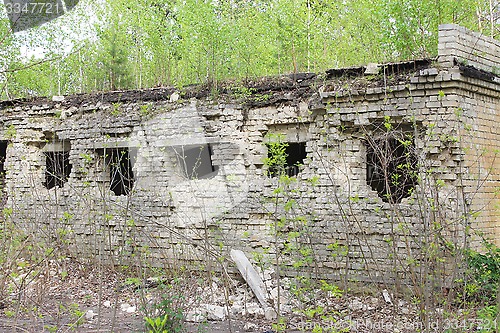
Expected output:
{"points": [[343, 225]]}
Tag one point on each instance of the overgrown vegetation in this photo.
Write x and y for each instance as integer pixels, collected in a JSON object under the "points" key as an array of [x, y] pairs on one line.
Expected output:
{"points": [[166, 312], [483, 273], [150, 43], [453, 287], [167, 42], [444, 279]]}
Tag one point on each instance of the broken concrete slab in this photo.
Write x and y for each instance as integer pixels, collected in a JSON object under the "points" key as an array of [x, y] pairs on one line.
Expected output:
{"points": [[253, 280], [250, 275]]}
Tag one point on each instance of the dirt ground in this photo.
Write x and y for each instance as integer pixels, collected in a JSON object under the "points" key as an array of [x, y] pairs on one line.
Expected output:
{"points": [[131, 324], [124, 323], [67, 297], [70, 297]]}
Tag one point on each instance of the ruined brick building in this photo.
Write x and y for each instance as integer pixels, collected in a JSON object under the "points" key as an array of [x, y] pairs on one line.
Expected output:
{"points": [[381, 160]]}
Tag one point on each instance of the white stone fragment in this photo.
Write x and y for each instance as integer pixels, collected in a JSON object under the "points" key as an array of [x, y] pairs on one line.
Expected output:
{"points": [[89, 315], [250, 327], [125, 307], [65, 114], [372, 69], [357, 305], [237, 309], [57, 98], [254, 309], [174, 97], [270, 313], [215, 312], [387, 297]]}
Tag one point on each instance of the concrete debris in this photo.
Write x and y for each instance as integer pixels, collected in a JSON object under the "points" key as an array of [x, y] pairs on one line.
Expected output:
{"points": [[270, 313], [237, 309], [197, 315], [387, 297], [250, 275], [215, 312], [65, 114], [357, 305], [372, 69], [57, 98], [254, 309], [125, 307], [174, 97], [207, 312], [90, 314], [250, 327], [403, 307]]}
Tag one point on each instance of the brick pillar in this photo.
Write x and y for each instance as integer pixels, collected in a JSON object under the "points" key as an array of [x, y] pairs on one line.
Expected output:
{"points": [[471, 47]]}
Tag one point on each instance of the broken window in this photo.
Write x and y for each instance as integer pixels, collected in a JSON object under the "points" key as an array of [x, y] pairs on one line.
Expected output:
{"points": [[118, 164], [196, 161], [3, 156], [57, 169], [57, 166], [286, 158], [391, 167]]}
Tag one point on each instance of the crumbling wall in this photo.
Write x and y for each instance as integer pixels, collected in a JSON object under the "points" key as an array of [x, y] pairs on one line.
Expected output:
{"points": [[457, 43], [194, 183], [478, 131]]}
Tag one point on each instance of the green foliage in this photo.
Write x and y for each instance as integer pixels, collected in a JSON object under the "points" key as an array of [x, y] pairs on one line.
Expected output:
{"points": [[488, 317], [148, 43], [166, 313], [280, 326], [387, 123], [114, 58], [51, 328], [276, 156], [410, 27], [77, 315], [332, 289], [116, 109], [484, 274], [145, 109], [157, 325], [240, 91], [133, 281], [10, 132]]}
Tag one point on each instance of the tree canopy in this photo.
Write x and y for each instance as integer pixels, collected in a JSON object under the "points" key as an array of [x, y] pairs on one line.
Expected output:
{"points": [[146, 43]]}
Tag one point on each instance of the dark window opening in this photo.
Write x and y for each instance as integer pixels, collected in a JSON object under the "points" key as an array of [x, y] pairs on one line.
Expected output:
{"points": [[3, 156], [117, 162], [293, 157], [196, 161], [391, 168], [57, 168]]}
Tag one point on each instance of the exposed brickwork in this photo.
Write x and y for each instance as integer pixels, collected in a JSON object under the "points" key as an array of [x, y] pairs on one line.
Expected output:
{"points": [[456, 42], [450, 118]]}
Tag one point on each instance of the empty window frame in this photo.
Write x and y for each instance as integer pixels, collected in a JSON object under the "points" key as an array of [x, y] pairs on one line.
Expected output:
{"points": [[196, 161], [286, 161], [3, 156], [118, 164], [57, 167], [391, 168]]}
